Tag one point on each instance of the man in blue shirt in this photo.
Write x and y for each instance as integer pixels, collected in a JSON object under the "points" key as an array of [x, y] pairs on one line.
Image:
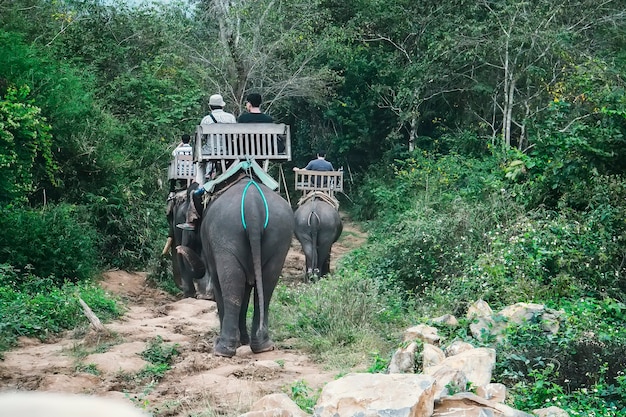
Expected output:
{"points": [[318, 164]]}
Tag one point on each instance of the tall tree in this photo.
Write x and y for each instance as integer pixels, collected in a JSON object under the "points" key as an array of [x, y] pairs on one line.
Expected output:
{"points": [[264, 45], [487, 65]]}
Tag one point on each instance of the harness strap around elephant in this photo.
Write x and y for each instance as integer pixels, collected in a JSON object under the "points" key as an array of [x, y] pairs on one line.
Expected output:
{"points": [[321, 196]]}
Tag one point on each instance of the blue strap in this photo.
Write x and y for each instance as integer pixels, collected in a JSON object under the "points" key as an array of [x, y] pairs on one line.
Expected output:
{"points": [[243, 196]]}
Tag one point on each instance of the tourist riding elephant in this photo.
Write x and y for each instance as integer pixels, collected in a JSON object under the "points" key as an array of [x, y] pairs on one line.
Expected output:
{"points": [[246, 234], [318, 226], [190, 278]]}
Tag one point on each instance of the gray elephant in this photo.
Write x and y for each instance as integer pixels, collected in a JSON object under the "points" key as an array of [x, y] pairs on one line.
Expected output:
{"points": [[189, 277], [318, 226], [246, 234]]}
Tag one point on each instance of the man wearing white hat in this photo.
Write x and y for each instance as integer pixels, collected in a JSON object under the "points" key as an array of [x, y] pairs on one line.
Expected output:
{"points": [[208, 170], [217, 114]]}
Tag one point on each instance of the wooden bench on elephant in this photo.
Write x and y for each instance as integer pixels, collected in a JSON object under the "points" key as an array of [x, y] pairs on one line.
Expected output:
{"points": [[182, 167], [222, 143], [325, 181]]}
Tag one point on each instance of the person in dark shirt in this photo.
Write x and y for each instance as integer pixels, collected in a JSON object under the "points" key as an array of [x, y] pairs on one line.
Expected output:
{"points": [[318, 164], [254, 114]]}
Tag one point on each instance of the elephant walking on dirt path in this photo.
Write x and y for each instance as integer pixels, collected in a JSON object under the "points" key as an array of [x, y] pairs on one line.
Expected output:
{"points": [[317, 226], [246, 233], [188, 277]]}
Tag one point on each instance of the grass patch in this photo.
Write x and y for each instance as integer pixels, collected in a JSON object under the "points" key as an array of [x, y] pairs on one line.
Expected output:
{"points": [[339, 319], [32, 306]]}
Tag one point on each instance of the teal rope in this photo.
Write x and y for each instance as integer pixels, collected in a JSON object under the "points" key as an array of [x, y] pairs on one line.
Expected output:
{"points": [[243, 196]]}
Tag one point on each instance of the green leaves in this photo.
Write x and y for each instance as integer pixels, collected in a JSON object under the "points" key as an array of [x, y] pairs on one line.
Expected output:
{"points": [[24, 138], [55, 242]]}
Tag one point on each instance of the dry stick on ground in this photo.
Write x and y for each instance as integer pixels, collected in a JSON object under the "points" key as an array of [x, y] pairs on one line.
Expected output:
{"points": [[93, 319]]}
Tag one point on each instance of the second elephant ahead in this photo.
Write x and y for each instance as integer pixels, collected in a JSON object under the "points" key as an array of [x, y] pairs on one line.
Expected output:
{"points": [[190, 278], [318, 226]]}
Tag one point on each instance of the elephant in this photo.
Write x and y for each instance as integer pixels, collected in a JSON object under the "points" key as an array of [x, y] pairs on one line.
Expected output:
{"points": [[192, 279], [317, 226], [245, 233]]}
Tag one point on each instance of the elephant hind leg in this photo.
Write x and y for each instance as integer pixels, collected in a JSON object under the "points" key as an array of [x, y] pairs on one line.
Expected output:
{"points": [[244, 337]]}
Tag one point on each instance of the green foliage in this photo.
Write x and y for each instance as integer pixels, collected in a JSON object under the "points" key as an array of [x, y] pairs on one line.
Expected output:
{"points": [[38, 307], [425, 179], [160, 356], [601, 399], [304, 396], [24, 138], [425, 246], [581, 135], [337, 314], [56, 241], [158, 353], [90, 368], [379, 364], [544, 255], [154, 97], [584, 355], [131, 226], [68, 117], [160, 274]]}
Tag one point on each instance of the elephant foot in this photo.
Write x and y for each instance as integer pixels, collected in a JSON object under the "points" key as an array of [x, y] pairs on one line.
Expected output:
{"points": [[245, 340], [208, 296], [265, 347], [223, 351]]}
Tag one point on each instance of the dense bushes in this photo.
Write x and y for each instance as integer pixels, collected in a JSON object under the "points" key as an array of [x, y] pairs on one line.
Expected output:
{"points": [[57, 241], [452, 235]]}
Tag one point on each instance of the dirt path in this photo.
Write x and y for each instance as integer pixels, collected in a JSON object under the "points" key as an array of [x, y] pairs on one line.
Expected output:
{"points": [[199, 384]]}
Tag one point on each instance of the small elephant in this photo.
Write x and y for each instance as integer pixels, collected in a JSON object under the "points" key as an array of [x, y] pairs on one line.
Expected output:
{"points": [[318, 226], [190, 277], [246, 233]]}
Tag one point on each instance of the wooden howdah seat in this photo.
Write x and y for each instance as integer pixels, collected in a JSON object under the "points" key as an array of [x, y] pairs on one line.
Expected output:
{"points": [[228, 143], [327, 182], [182, 167]]}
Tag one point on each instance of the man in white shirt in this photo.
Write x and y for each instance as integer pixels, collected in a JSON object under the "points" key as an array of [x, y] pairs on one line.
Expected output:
{"points": [[184, 145], [183, 148], [217, 114]]}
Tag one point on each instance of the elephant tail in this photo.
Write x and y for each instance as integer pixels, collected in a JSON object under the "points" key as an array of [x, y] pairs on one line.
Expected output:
{"points": [[314, 225], [193, 261], [255, 248]]}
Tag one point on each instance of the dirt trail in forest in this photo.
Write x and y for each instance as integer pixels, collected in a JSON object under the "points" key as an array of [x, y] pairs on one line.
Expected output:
{"points": [[199, 384]]}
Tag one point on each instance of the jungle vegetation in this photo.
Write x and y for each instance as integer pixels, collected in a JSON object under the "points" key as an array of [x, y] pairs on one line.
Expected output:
{"points": [[483, 141]]}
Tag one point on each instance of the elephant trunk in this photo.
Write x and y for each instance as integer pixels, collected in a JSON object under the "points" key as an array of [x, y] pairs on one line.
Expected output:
{"points": [[168, 246], [192, 260]]}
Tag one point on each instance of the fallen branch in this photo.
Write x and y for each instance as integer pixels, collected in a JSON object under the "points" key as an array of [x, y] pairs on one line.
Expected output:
{"points": [[93, 319]]}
